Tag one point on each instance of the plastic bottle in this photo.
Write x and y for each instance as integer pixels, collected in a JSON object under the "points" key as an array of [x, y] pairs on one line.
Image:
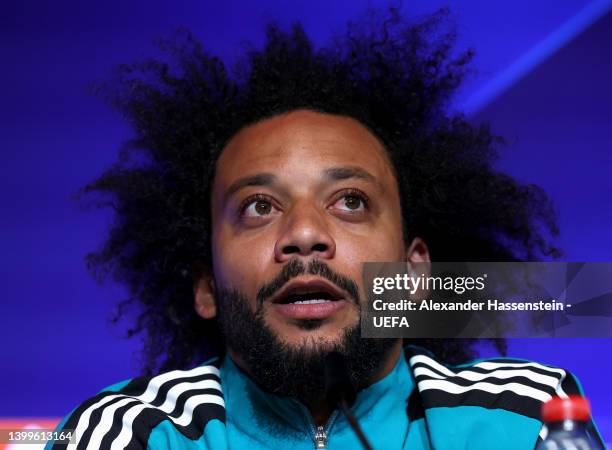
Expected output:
{"points": [[566, 420]]}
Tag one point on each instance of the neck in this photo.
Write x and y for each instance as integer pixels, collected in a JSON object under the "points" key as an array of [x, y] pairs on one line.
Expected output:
{"points": [[320, 410]]}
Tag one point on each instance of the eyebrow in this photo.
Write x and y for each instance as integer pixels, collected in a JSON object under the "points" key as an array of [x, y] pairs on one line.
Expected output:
{"points": [[332, 174], [261, 179], [345, 173]]}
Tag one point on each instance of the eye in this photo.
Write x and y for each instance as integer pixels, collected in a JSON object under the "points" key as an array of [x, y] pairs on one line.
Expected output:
{"points": [[351, 202], [257, 206]]}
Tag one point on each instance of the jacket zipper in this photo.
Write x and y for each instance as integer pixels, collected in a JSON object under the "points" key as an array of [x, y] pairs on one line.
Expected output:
{"points": [[320, 433]]}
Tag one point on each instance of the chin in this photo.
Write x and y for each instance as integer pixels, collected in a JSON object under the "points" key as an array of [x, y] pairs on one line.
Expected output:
{"points": [[313, 340]]}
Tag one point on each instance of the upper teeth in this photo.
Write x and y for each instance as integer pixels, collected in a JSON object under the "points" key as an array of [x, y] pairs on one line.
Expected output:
{"points": [[308, 302]]}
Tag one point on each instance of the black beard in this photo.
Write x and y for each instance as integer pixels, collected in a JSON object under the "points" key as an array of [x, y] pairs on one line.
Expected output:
{"points": [[289, 370]]}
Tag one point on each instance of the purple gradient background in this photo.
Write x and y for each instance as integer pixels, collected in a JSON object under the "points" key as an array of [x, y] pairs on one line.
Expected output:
{"points": [[57, 347]]}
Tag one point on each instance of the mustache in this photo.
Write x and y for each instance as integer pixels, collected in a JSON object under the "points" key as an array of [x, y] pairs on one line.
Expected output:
{"points": [[296, 267]]}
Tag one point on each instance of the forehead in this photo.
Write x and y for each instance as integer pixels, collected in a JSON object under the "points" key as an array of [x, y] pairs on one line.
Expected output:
{"points": [[305, 140]]}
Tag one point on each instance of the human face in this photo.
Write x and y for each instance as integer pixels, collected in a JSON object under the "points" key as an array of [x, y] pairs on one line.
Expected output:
{"points": [[306, 186]]}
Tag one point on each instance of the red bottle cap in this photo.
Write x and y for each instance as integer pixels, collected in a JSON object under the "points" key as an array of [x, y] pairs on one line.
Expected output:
{"points": [[570, 408]]}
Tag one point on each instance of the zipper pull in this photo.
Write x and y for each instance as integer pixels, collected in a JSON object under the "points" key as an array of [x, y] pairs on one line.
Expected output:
{"points": [[320, 438]]}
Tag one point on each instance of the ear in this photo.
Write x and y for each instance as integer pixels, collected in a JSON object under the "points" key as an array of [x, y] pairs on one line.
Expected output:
{"points": [[417, 252], [418, 262], [204, 292]]}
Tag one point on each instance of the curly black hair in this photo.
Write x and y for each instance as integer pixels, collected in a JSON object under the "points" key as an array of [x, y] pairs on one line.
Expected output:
{"points": [[394, 77]]}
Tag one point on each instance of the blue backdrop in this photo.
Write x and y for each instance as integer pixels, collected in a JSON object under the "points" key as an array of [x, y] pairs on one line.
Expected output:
{"points": [[542, 78]]}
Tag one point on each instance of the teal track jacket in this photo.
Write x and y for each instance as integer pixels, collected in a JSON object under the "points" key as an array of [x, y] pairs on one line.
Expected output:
{"points": [[421, 404]]}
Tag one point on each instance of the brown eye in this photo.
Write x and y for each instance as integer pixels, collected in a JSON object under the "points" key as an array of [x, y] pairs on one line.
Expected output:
{"points": [[262, 207], [257, 207], [352, 202]]}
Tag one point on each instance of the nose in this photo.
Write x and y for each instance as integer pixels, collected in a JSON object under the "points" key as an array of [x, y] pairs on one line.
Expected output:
{"points": [[305, 233]]}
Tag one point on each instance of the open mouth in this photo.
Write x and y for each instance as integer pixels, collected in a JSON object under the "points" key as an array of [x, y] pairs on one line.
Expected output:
{"points": [[311, 298]]}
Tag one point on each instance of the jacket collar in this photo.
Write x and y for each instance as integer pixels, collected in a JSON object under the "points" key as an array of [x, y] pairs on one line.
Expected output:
{"points": [[247, 403]]}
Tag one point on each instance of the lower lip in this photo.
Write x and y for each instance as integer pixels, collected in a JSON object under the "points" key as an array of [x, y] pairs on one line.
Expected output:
{"points": [[310, 310]]}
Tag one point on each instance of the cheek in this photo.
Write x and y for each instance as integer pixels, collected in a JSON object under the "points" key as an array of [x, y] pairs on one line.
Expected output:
{"points": [[385, 243], [239, 263], [371, 250]]}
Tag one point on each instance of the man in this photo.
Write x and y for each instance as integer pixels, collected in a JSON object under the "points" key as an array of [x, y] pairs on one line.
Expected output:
{"points": [[241, 231]]}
